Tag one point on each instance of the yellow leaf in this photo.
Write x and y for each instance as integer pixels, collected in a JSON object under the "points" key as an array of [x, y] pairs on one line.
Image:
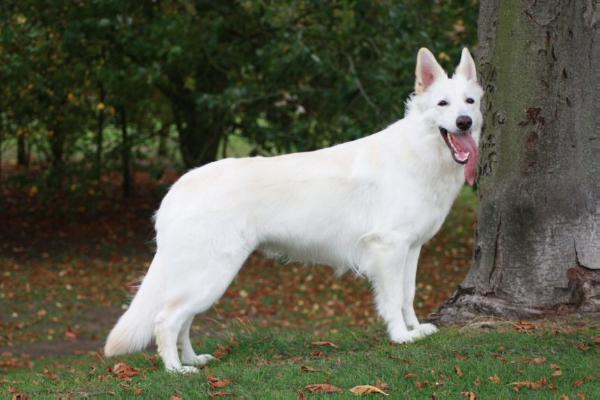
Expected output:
{"points": [[367, 389]]}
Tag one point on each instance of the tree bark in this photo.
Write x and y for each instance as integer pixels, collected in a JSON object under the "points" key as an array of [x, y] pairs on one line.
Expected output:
{"points": [[22, 151], [100, 122], [125, 155], [537, 246], [199, 133]]}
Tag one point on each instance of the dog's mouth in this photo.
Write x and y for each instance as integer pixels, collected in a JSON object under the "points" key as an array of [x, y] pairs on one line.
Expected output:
{"points": [[464, 150], [457, 144]]}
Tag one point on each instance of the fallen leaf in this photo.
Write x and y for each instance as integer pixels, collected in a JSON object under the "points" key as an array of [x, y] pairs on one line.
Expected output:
{"points": [[459, 356], [318, 353], [477, 382], [523, 326], [554, 366], [494, 379], [175, 397], [220, 393], [367, 389], [597, 340], [410, 375], [324, 343], [322, 388], [583, 346], [564, 397], [458, 370], [580, 382], [581, 396], [20, 396], [557, 372], [124, 372], [469, 395], [529, 384], [70, 334], [421, 385], [534, 360], [50, 374], [135, 390], [301, 395], [217, 383], [306, 368]]}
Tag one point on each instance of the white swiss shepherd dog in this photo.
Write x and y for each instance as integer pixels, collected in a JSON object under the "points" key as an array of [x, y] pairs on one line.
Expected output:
{"points": [[366, 205]]}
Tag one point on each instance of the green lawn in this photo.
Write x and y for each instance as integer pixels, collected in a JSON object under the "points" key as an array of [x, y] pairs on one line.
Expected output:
{"points": [[267, 364]]}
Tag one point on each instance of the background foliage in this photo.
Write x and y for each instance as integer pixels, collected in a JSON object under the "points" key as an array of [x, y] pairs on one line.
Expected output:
{"points": [[91, 86]]}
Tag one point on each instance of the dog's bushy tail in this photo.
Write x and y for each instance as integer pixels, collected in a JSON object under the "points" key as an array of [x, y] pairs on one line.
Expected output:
{"points": [[135, 328]]}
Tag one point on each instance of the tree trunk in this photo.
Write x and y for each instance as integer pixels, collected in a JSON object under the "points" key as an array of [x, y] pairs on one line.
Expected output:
{"points": [[100, 121], [125, 155], [57, 139], [537, 247], [199, 133], [22, 151], [163, 133]]}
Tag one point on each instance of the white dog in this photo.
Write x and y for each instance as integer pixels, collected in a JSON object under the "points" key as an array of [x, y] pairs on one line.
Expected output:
{"points": [[367, 205]]}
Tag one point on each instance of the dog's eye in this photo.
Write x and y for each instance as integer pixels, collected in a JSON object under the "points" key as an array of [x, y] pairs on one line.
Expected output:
{"points": [[470, 100], [443, 103]]}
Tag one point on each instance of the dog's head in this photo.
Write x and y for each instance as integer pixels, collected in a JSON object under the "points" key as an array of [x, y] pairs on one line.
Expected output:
{"points": [[451, 107]]}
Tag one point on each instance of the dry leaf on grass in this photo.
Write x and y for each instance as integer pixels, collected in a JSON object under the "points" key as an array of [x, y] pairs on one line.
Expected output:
{"points": [[469, 395], [306, 368], [136, 391], [597, 340], [217, 383], [529, 384], [533, 360], [410, 375], [50, 374], [458, 370], [524, 326], [580, 382], [301, 395], [70, 333], [322, 388], [221, 393], [175, 397], [324, 343], [124, 371], [367, 389], [422, 385], [494, 379], [583, 346]]}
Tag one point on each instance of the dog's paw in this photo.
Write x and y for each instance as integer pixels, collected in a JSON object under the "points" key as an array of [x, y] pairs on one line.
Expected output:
{"points": [[199, 360], [426, 329], [405, 337], [183, 370]]}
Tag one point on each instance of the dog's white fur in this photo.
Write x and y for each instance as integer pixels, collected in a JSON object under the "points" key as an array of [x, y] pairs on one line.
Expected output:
{"points": [[367, 205]]}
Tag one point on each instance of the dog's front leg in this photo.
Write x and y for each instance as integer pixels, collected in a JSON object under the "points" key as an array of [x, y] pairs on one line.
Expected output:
{"points": [[384, 259], [408, 310]]}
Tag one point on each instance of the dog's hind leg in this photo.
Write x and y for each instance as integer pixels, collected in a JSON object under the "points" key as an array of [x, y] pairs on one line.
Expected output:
{"points": [[410, 282], [384, 259], [188, 356], [194, 286]]}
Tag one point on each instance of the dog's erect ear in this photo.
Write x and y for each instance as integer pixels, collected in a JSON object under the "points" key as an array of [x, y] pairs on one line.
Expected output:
{"points": [[428, 70], [466, 67]]}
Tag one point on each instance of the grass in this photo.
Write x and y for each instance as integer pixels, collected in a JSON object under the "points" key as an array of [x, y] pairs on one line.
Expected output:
{"points": [[64, 282], [266, 364]]}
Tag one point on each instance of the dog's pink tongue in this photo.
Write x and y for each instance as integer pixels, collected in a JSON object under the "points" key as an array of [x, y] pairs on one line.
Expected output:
{"points": [[466, 143]]}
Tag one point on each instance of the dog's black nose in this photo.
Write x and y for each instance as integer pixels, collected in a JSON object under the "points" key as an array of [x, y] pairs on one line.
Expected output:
{"points": [[464, 122]]}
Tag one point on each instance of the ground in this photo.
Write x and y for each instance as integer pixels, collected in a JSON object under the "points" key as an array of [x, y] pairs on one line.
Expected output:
{"points": [[70, 262]]}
